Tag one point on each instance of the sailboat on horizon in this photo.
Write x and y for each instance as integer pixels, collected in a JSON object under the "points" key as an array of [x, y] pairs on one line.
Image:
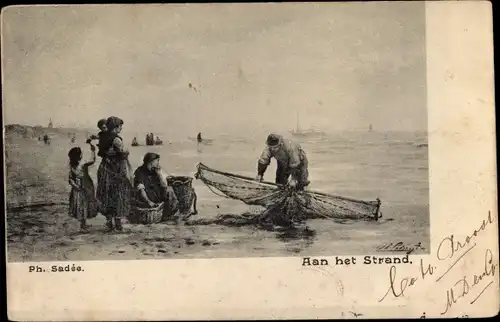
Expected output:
{"points": [[305, 133]]}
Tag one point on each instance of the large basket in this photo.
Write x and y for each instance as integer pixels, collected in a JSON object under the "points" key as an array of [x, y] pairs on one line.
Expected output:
{"points": [[146, 216], [183, 190]]}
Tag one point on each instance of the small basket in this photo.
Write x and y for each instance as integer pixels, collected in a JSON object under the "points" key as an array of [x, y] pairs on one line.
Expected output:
{"points": [[183, 190], [146, 216]]}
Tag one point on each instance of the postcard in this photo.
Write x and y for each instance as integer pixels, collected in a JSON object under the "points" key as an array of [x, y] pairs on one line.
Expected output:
{"points": [[250, 161]]}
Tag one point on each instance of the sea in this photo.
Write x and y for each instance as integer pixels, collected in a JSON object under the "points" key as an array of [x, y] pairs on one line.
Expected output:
{"points": [[392, 166]]}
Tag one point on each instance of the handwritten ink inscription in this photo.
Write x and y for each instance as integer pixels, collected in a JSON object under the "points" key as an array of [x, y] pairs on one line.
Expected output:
{"points": [[452, 249], [467, 284], [398, 286]]}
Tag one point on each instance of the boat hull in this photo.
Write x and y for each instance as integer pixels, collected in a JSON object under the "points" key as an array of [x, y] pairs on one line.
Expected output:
{"points": [[204, 141]]}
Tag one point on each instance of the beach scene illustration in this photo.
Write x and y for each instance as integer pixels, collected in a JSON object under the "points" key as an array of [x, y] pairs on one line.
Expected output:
{"points": [[188, 139]]}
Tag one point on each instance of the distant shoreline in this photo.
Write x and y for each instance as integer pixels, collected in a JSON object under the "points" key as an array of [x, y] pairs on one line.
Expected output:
{"points": [[34, 131], [29, 131]]}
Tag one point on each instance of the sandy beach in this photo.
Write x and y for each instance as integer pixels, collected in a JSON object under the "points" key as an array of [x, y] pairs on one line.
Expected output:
{"points": [[38, 173]]}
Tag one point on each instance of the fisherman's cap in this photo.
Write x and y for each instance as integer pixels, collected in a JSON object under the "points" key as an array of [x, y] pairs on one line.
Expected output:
{"points": [[273, 140]]}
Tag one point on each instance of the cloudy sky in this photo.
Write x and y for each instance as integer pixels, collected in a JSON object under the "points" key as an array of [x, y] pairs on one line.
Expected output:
{"points": [[254, 66]]}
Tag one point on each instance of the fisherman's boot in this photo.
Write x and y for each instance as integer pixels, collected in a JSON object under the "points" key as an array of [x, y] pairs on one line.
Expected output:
{"points": [[83, 226], [118, 224], [109, 224], [195, 201]]}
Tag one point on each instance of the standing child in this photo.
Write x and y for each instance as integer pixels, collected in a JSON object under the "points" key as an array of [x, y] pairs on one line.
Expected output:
{"points": [[82, 201]]}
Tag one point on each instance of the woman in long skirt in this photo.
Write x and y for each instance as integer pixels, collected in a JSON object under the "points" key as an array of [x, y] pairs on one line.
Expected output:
{"points": [[114, 190]]}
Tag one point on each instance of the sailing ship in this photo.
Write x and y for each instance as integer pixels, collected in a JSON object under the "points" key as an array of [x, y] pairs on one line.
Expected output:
{"points": [[305, 133]]}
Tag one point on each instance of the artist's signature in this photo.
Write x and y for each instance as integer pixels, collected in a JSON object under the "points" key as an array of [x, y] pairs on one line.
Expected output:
{"points": [[453, 249], [399, 247]]}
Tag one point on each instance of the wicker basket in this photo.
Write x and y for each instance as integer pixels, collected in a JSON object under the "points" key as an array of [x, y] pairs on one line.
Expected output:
{"points": [[146, 215], [183, 190]]}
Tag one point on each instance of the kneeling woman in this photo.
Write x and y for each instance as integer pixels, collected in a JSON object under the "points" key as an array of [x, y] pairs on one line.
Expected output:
{"points": [[151, 186]]}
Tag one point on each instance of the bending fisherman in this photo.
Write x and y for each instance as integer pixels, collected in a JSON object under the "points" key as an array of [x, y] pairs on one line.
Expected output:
{"points": [[291, 159]]}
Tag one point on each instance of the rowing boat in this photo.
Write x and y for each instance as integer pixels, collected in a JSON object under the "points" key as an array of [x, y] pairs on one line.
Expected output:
{"points": [[204, 141]]}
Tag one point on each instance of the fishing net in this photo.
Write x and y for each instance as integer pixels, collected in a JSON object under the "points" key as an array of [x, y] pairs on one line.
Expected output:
{"points": [[282, 202]]}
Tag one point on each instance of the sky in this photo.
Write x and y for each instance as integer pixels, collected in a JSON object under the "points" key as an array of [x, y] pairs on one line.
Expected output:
{"points": [[337, 66]]}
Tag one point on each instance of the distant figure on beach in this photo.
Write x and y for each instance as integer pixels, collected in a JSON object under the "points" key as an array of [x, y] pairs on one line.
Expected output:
{"points": [[150, 139], [46, 139], [82, 201], [73, 138], [198, 138], [151, 186], [291, 159], [101, 136], [113, 188], [135, 142]]}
